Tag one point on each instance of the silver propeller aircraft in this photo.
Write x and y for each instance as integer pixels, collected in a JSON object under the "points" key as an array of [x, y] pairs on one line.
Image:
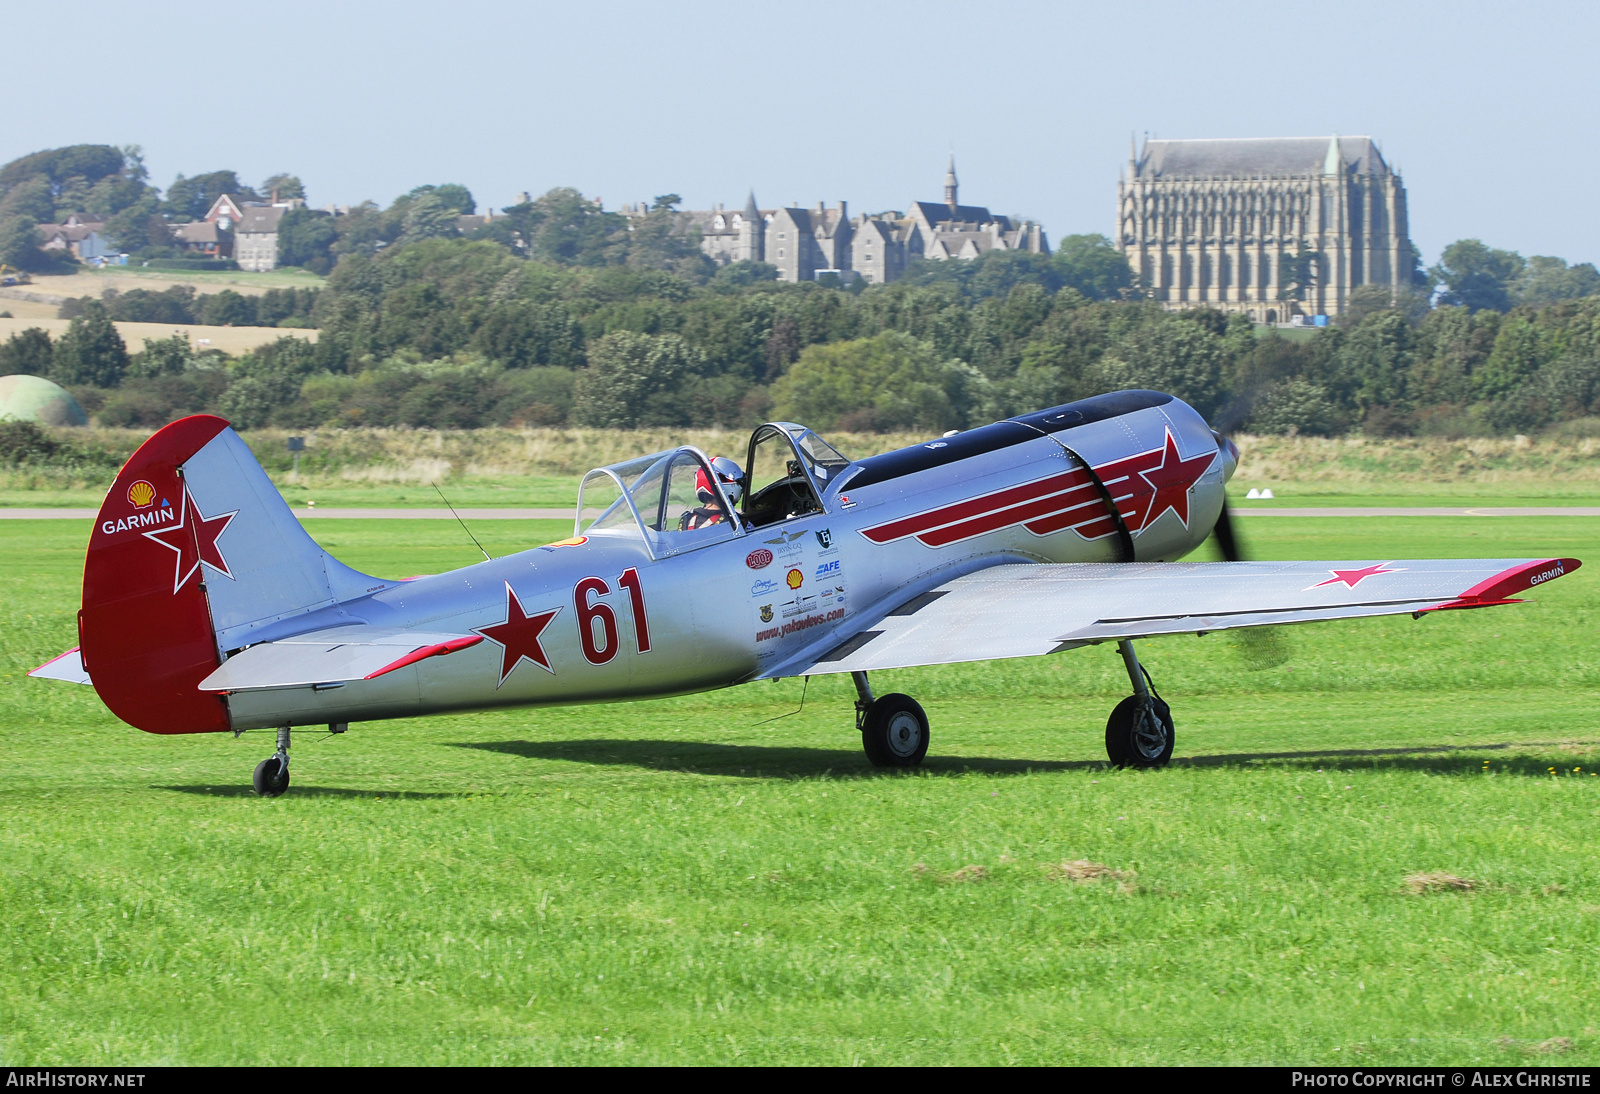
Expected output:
{"points": [[206, 607]]}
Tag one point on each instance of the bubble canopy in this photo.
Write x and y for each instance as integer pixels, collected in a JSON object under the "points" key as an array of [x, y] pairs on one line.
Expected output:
{"points": [[669, 499], [674, 503]]}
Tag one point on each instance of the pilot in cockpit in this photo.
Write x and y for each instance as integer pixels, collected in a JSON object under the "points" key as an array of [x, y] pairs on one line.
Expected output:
{"points": [[709, 511]]}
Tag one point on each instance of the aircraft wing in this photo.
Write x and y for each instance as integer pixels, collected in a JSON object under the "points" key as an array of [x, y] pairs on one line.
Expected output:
{"points": [[332, 656], [1026, 610]]}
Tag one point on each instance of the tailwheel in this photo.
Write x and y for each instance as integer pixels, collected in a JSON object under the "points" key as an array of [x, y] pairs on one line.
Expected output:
{"points": [[1139, 732], [894, 731]]}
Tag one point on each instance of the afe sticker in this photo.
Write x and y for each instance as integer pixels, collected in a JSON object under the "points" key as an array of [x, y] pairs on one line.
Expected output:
{"points": [[759, 559], [141, 494]]}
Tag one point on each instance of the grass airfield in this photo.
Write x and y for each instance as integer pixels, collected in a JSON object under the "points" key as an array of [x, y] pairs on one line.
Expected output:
{"points": [[683, 882]]}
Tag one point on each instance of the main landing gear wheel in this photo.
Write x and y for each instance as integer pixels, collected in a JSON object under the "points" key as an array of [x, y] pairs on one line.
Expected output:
{"points": [[894, 731], [272, 774], [271, 777], [1139, 732]]}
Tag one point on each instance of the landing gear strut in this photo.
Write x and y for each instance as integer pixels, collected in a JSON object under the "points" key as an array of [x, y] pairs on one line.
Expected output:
{"points": [[894, 729], [272, 774], [1139, 732]]}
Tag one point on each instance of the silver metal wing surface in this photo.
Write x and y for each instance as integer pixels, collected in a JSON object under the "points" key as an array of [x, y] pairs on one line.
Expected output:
{"points": [[1029, 610]]}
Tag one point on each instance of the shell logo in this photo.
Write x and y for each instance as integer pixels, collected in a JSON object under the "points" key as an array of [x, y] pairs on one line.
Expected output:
{"points": [[795, 579], [575, 541], [141, 494]]}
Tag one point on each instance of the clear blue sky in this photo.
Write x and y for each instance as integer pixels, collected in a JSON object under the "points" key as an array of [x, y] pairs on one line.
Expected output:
{"points": [[1489, 110]]}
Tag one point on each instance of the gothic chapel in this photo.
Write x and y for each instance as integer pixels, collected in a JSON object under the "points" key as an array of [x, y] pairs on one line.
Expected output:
{"points": [[1270, 227]]}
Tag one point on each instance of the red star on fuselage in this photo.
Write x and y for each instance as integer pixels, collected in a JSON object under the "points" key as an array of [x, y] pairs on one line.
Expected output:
{"points": [[518, 636], [195, 541], [1170, 483], [1352, 578]]}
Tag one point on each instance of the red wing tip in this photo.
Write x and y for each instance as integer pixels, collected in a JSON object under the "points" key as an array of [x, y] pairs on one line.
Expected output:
{"points": [[438, 649], [1519, 579]]}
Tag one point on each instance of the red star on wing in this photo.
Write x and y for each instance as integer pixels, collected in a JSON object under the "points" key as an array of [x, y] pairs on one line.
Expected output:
{"points": [[195, 540], [518, 636], [1170, 483], [1352, 578]]}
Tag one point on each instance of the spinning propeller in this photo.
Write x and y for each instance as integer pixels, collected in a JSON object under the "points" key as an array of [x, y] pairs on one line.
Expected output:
{"points": [[1261, 647]]}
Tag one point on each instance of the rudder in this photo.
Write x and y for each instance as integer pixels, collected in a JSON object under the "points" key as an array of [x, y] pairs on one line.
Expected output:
{"points": [[194, 553]]}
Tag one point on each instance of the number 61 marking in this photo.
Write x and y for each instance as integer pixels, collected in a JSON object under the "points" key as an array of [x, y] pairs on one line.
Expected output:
{"points": [[589, 613]]}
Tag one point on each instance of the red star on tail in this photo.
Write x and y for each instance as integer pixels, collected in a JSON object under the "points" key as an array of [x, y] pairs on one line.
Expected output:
{"points": [[518, 636], [195, 541], [1352, 578], [1170, 483]]}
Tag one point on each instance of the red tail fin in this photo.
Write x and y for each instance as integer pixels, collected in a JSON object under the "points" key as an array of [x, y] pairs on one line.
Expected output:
{"points": [[145, 628]]}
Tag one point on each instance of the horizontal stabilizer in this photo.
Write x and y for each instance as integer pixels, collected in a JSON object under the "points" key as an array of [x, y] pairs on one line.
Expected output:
{"points": [[1029, 610], [336, 655], [68, 666]]}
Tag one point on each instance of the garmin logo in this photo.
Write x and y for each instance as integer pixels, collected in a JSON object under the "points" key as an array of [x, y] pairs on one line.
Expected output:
{"points": [[1554, 572]]}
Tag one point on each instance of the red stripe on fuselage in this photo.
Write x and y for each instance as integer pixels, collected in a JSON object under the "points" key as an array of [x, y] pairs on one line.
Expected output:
{"points": [[1068, 500], [973, 507]]}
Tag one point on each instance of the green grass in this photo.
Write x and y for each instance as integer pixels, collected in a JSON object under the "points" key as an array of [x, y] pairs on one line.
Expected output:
{"points": [[206, 280], [674, 882], [1427, 495]]}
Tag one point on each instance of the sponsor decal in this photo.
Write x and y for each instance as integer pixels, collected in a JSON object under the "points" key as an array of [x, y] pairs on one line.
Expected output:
{"points": [[787, 544], [165, 515], [193, 539], [827, 569], [141, 494], [1547, 575], [766, 613], [762, 586], [800, 605], [937, 444], [795, 579], [1351, 578], [796, 625], [824, 538], [759, 559], [575, 541], [845, 502], [1144, 487]]}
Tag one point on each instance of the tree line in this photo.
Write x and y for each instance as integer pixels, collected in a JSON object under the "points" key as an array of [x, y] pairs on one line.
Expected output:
{"points": [[562, 313], [452, 333]]}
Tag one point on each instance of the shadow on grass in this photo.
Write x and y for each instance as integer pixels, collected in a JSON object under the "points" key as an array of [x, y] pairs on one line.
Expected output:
{"points": [[1532, 758], [767, 762], [758, 761], [298, 791]]}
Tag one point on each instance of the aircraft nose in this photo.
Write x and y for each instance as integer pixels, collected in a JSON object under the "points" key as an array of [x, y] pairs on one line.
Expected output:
{"points": [[1230, 455]]}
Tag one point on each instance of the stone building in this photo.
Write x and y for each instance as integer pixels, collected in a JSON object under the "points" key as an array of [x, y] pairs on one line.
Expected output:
{"points": [[879, 248], [805, 243], [255, 237], [948, 229], [1269, 227], [732, 236]]}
